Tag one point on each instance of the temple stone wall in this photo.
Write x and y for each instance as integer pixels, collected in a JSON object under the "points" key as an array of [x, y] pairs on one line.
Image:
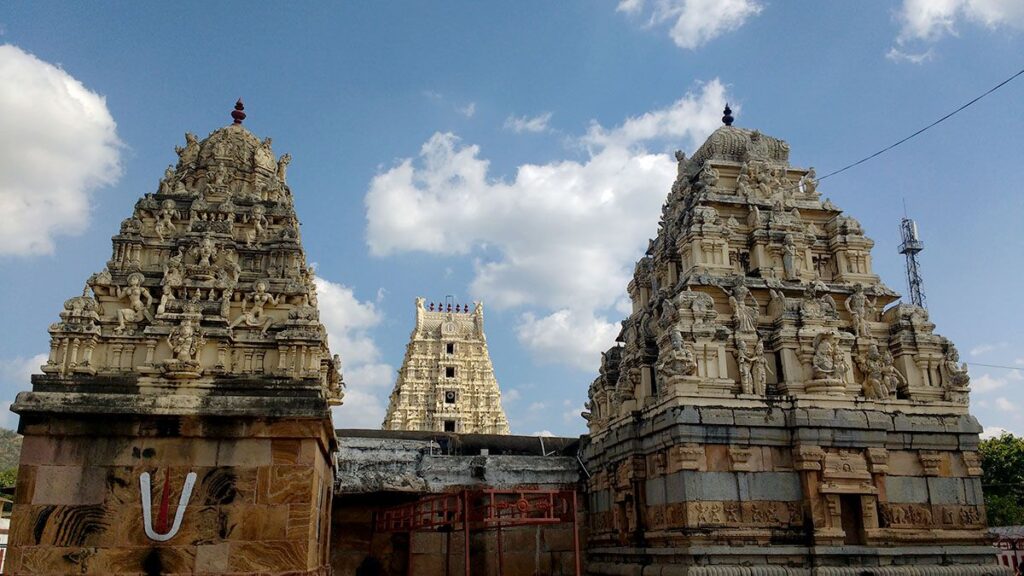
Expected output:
{"points": [[259, 504], [770, 407]]}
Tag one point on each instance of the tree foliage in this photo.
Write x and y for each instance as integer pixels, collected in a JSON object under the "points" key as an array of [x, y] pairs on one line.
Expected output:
{"points": [[1002, 459]]}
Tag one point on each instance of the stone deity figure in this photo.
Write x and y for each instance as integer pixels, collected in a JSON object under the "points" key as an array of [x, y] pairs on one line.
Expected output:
{"points": [[165, 298], [892, 377], [954, 374], [789, 258], [282, 167], [708, 177], [874, 380], [259, 225], [135, 292], [744, 363], [809, 182], [165, 219], [860, 308], [759, 370], [263, 157], [256, 316], [225, 302], [743, 184], [745, 314], [190, 152], [824, 360], [205, 252], [185, 342], [680, 360], [166, 185]]}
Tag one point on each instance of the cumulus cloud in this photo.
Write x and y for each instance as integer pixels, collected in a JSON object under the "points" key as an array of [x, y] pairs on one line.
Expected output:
{"points": [[987, 382], [1005, 404], [924, 21], [561, 238], [695, 22], [533, 124], [469, 110], [58, 143], [349, 321]]}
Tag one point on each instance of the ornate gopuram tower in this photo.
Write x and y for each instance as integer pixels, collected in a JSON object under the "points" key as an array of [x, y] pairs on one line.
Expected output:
{"points": [[770, 410], [447, 382], [181, 424]]}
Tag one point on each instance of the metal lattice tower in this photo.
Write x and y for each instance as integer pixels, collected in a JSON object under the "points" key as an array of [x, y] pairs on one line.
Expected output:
{"points": [[910, 247]]}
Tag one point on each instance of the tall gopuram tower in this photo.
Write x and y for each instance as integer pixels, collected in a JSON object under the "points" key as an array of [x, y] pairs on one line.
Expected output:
{"points": [[447, 382], [770, 410], [181, 424]]}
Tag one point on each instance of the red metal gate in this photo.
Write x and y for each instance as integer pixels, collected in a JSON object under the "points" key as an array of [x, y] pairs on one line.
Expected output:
{"points": [[471, 510]]}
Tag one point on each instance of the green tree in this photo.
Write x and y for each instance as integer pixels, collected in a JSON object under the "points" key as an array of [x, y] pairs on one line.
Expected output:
{"points": [[1002, 459], [8, 477]]}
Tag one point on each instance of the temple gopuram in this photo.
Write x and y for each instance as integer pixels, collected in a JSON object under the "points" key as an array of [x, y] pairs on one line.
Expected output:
{"points": [[181, 424], [768, 410], [447, 382]]}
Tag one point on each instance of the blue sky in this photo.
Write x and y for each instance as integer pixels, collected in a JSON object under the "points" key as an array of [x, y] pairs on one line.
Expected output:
{"points": [[514, 152]]}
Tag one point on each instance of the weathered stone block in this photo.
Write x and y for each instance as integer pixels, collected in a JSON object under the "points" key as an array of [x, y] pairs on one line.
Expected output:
{"points": [[710, 486], [906, 489], [781, 486], [946, 491]]}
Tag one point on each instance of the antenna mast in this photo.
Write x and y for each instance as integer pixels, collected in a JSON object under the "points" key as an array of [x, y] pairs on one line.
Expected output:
{"points": [[910, 247]]}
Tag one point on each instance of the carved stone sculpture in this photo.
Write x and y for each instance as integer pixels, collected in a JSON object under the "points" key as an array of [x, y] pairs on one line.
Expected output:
{"points": [[256, 316], [135, 292]]}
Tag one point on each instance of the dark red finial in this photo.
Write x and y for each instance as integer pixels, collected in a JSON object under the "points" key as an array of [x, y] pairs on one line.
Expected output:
{"points": [[239, 112]]}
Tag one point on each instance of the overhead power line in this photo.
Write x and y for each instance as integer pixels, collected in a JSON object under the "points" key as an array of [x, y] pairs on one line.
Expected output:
{"points": [[1018, 368], [926, 128]]}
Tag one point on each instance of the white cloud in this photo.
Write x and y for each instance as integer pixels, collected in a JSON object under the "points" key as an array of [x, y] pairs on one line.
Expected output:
{"points": [[537, 407], [349, 321], [561, 238], [468, 110], [510, 395], [1005, 405], [547, 433], [987, 383], [696, 22], [993, 432], [533, 124], [982, 349], [931, 20], [897, 55], [58, 142], [565, 337]]}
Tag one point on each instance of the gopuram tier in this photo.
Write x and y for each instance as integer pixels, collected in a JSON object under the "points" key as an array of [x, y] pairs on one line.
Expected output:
{"points": [[181, 423], [447, 381], [770, 403]]}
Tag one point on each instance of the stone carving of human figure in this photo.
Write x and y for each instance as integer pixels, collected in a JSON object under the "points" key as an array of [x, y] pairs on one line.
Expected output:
{"points": [[205, 252], [190, 152], [259, 225], [185, 342], [824, 357], [282, 167], [860, 308], [743, 184], [892, 377], [256, 315], [165, 219], [744, 363], [708, 177], [263, 157], [809, 182], [789, 259], [745, 314], [874, 379], [225, 302], [135, 292], [759, 370], [954, 374], [167, 184]]}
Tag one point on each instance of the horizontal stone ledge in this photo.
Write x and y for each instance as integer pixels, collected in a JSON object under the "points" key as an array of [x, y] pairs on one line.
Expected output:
{"points": [[70, 403], [791, 550]]}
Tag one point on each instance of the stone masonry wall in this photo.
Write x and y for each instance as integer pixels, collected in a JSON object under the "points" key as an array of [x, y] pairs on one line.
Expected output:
{"points": [[258, 506]]}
